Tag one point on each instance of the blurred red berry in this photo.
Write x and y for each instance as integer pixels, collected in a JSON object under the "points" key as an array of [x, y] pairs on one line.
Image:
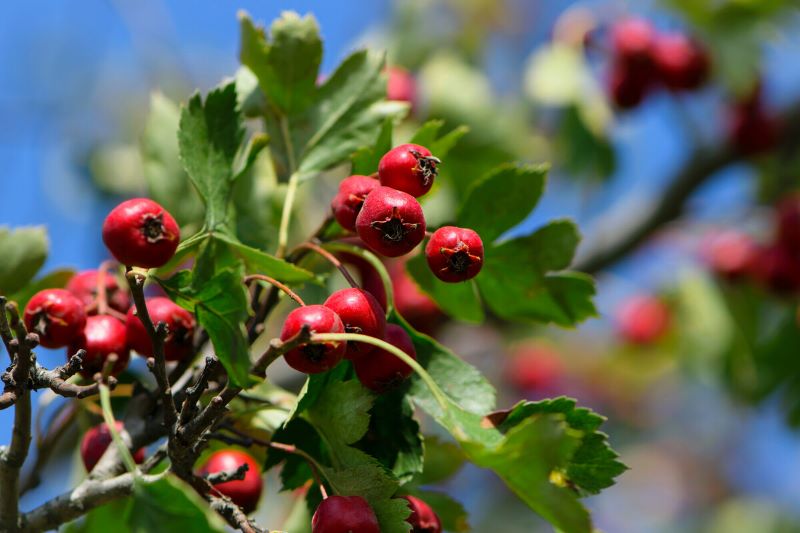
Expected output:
{"points": [[730, 254], [95, 442], [401, 85], [632, 40], [788, 212], [778, 270], [414, 305], [246, 492], [643, 319], [535, 367], [681, 63]]}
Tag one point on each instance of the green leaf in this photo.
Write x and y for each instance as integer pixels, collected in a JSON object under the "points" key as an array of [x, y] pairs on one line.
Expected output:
{"points": [[295, 470], [102, 519], [56, 279], [441, 462], [517, 188], [459, 300], [221, 307], [342, 412], [22, 253], [210, 137], [452, 514], [264, 263], [517, 281], [365, 161], [171, 501], [428, 135]]}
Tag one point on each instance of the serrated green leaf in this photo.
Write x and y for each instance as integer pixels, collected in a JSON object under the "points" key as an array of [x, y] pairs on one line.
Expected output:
{"points": [[428, 135], [459, 300], [56, 279], [295, 470], [171, 501], [341, 413], [365, 161], [22, 253], [264, 263]]}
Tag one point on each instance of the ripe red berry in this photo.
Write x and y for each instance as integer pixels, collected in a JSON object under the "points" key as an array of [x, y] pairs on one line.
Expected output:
{"points": [[731, 254], [788, 213], [681, 63], [391, 222], [84, 286], [413, 304], [535, 368], [632, 40], [401, 86], [313, 358], [627, 86], [371, 280], [180, 329], [348, 201], [409, 168], [344, 514], [751, 128], [643, 319], [95, 442], [139, 232], [778, 269], [360, 313], [454, 254], [102, 336], [422, 517], [246, 492], [56, 315], [380, 370]]}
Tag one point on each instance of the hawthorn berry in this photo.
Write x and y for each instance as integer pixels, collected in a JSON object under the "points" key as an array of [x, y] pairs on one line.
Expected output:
{"points": [[409, 168], [643, 319], [348, 201], [380, 370], [731, 254], [95, 442], [56, 315], [454, 254], [391, 222], [535, 367], [788, 213], [141, 233], [778, 269], [632, 40], [360, 313], [414, 305], [370, 278], [84, 286], [344, 514], [751, 128], [422, 518], [180, 329], [102, 336], [246, 492], [313, 358], [681, 63], [401, 86], [628, 86]]}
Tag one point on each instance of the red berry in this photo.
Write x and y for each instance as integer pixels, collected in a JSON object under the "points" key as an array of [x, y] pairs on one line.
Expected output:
{"points": [[751, 128], [627, 86], [422, 517], [731, 254], [632, 40], [313, 358], [454, 254], [643, 319], [84, 286], [180, 329], [413, 304], [681, 63], [789, 223], [778, 269], [102, 336], [360, 313], [535, 367], [391, 222], [95, 442], [400, 85], [244, 492], [56, 315], [371, 280], [348, 201], [409, 168], [380, 370], [139, 232], [344, 514]]}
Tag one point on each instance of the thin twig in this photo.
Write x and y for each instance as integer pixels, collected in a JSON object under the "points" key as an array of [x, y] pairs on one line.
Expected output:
{"points": [[194, 392], [332, 259], [275, 283]]}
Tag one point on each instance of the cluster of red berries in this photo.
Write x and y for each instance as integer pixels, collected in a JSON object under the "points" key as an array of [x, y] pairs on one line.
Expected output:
{"points": [[340, 514], [138, 232], [735, 256], [644, 59]]}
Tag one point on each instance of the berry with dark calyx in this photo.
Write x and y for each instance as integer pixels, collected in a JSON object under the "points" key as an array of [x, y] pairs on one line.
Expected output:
{"points": [[731, 254], [681, 63], [454, 254], [422, 518], [102, 336], [348, 201], [141, 233], [401, 86], [246, 492], [632, 40], [380, 370], [84, 286], [643, 319], [344, 514], [313, 358], [56, 315], [95, 442], [360, 313], [180, 329], [414, 305], [788, 213], [391, 222], [409, 168]]}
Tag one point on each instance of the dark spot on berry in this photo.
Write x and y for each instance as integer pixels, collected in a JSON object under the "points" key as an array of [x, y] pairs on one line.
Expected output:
{"points": [[153, 227]]}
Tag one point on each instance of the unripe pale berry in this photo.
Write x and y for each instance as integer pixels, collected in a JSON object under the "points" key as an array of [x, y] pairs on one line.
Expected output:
{"points": [[348, 201], [380, 370], [409, 168], [454, 254], [360, 313], [391, 222], [246, 492], [344, 514], [180, 329], [643, 319], [422, 517], [102, 336], [141, 233], [681, 63], [95, 442], [56, 315], [313, 358], [84, 286]]}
